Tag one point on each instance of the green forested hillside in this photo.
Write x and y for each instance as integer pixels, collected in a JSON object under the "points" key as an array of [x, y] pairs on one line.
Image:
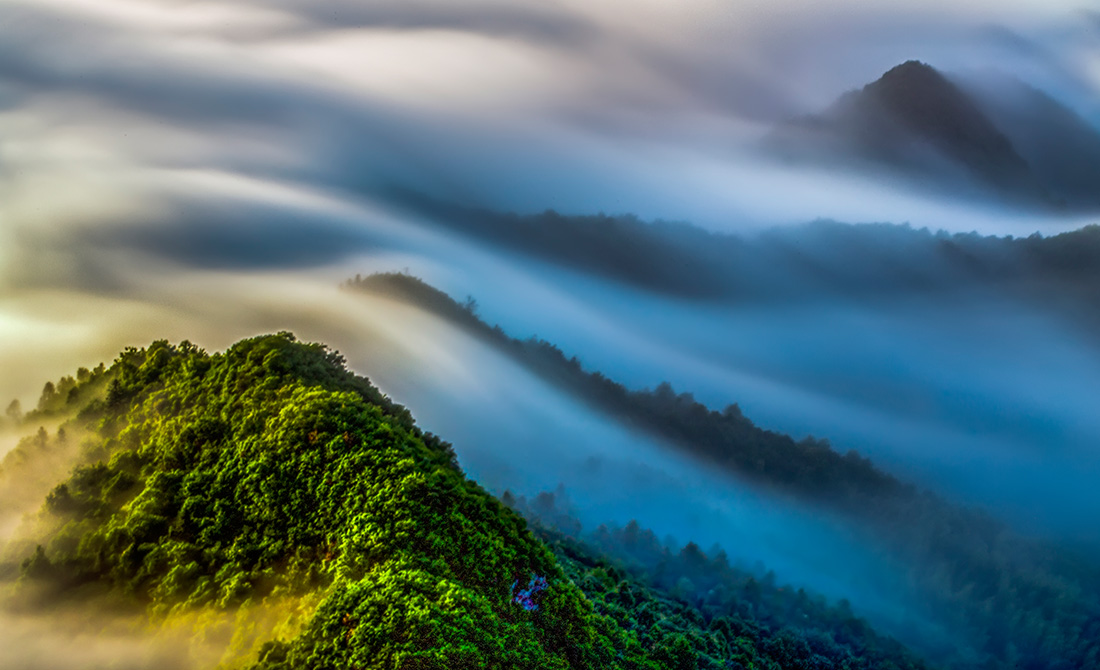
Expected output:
{"points": [[270, 472], [968, 570]]}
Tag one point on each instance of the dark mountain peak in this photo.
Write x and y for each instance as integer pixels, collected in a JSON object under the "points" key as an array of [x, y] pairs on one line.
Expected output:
{"points": [[916, 121], [921, 99], [913, 69], [919, 92], [913, 83]]}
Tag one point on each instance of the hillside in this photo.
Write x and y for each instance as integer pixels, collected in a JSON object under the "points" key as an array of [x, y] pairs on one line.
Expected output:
{"points": [[270, 473], [972, 571], [645, 585]]}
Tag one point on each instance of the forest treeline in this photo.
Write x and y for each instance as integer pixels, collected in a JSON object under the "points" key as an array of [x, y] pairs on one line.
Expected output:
{"points": [[648, 585], [685, 585], [823, 260], [211, 482], [808, 468], [1023, 602]]}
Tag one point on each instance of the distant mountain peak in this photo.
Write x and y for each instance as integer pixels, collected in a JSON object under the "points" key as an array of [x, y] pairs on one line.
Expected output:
{"points": [[921, 99], [915, 120], [914, 86], [911, 67]]}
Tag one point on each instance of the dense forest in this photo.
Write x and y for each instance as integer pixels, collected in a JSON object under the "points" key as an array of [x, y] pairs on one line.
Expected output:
{"points": [[824, 260], [637, 579], [972, 571], [271, 472]]}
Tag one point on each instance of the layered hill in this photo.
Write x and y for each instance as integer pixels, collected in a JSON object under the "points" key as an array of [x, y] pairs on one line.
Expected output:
{"points": [[185, 482], [823, 261], [807, 468]]}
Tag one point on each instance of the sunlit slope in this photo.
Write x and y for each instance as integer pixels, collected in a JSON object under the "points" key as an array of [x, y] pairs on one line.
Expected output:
{"points": [[212, 481], [271, 474]]}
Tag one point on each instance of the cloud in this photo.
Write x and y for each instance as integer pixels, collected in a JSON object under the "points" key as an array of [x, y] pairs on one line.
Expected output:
{"points": [[530, 21], [263, 238], [576, 106]]}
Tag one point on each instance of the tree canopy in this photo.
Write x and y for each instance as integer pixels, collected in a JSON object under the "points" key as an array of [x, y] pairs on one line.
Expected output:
{"points": [[211, 482]]}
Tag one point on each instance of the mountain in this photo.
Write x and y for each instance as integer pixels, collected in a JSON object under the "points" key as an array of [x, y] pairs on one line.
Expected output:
{"points": [[971, 571], [808, 468], [916, 123], [269, 478], [823, 261]]}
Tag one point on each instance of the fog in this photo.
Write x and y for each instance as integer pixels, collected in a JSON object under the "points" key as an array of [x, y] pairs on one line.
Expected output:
{"points": [[98, 634], [41, 642], [213, 170], [987, 399]]}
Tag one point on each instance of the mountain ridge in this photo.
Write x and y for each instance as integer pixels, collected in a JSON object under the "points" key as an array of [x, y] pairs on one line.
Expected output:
{"points": [[867, 263]]}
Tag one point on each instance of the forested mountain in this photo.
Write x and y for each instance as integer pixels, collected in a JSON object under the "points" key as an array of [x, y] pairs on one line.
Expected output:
{"points": [[270, 473], [824, 261], [807, 468], [973, 571]]}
